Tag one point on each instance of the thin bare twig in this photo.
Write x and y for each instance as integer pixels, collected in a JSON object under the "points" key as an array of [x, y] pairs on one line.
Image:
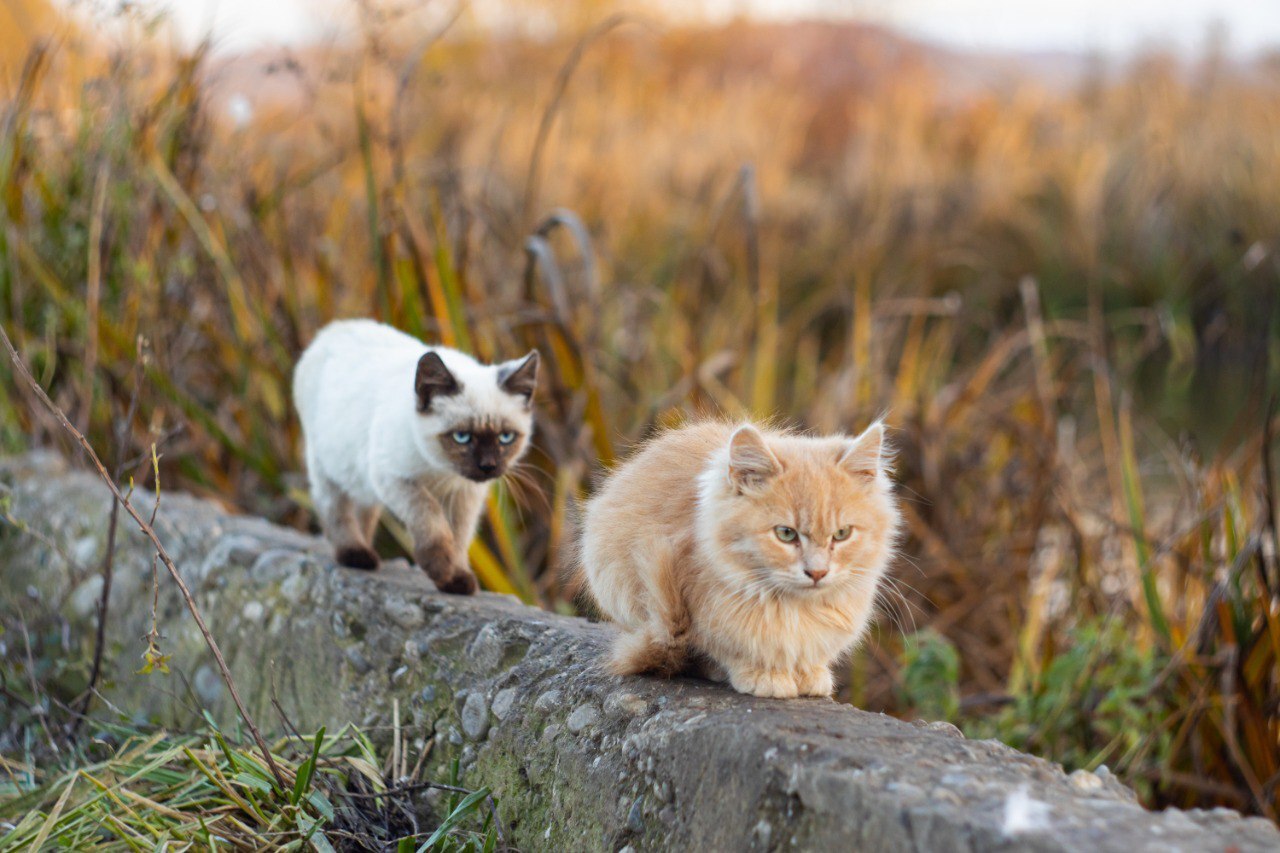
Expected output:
{"points": [[533, 178], [123, 428], [150, 533], [38, 710], [94, 285]]}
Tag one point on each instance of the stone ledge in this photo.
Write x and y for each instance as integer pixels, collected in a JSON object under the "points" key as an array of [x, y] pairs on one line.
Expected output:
{"points": [[578, 759]]}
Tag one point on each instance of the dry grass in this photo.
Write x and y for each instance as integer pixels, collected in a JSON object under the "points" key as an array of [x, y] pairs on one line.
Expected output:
{"points": [[1065, 300], [130, 789]]}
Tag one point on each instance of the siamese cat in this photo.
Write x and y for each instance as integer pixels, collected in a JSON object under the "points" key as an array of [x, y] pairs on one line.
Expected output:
{"points": [[420, 430]]}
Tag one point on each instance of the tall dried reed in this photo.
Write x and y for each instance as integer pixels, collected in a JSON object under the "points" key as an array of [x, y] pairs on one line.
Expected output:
{"points": [[1063, 297]]}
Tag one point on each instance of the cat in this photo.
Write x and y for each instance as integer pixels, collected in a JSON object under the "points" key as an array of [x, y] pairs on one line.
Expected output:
{"points": [[747, 553], [390, 422]]}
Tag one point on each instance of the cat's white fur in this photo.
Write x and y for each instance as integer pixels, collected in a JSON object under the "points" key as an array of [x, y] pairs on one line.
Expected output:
{"points": [[368, 446]]}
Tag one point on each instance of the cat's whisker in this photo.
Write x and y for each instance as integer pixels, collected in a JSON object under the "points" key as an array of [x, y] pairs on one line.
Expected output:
{"points": [[903, 607], [911, 561], [891, 610], [522, 488], [753, 588], [529, 474], [899, 582], [529, 467], [916, 497]]}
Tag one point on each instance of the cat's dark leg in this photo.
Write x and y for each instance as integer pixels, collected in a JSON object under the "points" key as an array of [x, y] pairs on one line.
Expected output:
{"points": [[442, 560], [463, 514], [342, 525], [435, 548], [367, 517]]}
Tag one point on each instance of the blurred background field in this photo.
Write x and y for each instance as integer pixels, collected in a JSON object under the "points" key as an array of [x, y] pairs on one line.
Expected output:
{"points": [[1054, 274]]}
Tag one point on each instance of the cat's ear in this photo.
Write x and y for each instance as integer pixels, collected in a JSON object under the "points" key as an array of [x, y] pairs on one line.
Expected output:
{"points": [[751, 462], [520, 377], [863, 455], [433, 380]]}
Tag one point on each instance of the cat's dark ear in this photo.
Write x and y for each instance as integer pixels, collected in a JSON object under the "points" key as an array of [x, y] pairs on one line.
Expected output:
{"points": [[863, 455], [751, 462], [520, 377], [433, 380]]}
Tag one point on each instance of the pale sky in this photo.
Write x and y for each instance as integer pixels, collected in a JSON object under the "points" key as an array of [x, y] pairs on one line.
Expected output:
{"points": [[1116, 27]]}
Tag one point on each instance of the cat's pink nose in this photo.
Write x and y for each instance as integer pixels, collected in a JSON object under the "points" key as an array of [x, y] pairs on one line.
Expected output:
{"points": [[816, 574]]}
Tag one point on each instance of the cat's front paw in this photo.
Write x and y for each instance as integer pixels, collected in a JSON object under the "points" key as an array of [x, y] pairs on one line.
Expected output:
{"points": [[815, 682], [357, 557], [462, 583], [769, 684], [447, 568]]}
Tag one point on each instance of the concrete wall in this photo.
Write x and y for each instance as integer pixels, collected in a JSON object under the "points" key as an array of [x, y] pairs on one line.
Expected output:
{"points": [[578, 759]]}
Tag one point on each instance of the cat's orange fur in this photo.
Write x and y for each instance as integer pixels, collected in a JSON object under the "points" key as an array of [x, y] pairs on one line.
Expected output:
{"points": [[680, 548]]}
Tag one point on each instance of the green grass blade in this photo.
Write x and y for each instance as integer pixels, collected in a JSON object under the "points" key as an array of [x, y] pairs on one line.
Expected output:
{"points": [[460, 812], [307, 767]]}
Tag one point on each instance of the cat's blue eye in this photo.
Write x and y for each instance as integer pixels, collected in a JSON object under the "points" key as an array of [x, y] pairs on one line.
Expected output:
{"points": [[842, 534], [786, 534], [462, 437], [506, 437]]}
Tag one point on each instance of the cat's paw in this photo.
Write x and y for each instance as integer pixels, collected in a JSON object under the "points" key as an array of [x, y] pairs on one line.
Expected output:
{"points": [[815, 682], [446, 567], [462, 583], [357, 557], [776, 685]]}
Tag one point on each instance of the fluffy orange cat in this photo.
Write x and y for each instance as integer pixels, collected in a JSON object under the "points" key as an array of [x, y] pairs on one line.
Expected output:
{"points": [[750, 553]]}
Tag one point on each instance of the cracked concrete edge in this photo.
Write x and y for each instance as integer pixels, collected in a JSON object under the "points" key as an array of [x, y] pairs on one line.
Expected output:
{"points": [[578, 759]]}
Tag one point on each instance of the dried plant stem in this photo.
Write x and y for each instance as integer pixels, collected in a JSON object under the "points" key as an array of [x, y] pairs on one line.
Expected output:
{"points": [[163, 554], [94, 287], [123, 428], [35, 689], [95, 671], [533, 180], [1269, 497]]}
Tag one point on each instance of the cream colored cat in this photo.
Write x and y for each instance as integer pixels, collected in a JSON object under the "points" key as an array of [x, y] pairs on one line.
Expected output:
{"points": [[751, 553], [423, 431]]}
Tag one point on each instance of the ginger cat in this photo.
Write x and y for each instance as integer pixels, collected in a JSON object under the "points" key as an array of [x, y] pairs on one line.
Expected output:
{"points": [[751, 553]]}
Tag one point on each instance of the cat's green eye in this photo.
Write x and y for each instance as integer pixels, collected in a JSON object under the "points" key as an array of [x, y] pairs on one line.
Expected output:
{"points": [[506, 437], [462, 437], [786, 534], [842, 534]]}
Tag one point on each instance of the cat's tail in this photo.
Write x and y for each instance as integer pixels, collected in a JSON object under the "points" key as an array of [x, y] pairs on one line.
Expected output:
{"points": [[650, 650], [661, 644]]}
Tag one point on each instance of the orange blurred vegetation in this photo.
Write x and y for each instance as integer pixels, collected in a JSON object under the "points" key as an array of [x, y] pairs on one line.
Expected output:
{"points": [[1061, 292]]}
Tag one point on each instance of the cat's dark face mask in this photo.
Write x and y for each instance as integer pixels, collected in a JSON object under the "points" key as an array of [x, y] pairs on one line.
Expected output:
{"points": [[481, 453], [480, 447]]}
